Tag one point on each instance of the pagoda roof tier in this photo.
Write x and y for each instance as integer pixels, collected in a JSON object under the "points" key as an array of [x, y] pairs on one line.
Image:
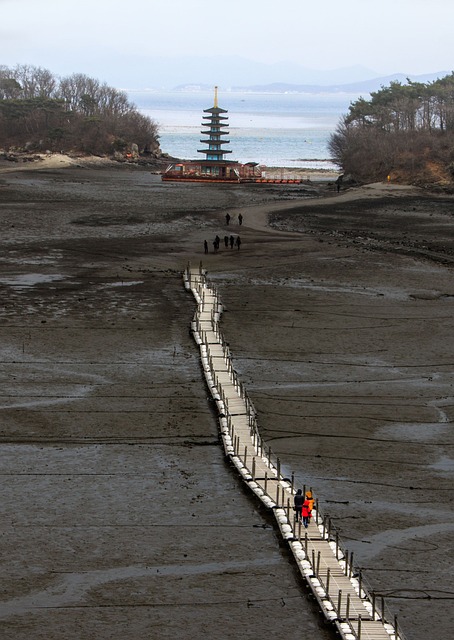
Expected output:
{"points": [[211, 141], [208, 132], [215, 110], [214, 152], [218, 162], [221, 125], [215, 118]]}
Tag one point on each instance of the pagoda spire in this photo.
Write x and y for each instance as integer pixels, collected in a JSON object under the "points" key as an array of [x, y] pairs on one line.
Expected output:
{"points": [[215, 97]]}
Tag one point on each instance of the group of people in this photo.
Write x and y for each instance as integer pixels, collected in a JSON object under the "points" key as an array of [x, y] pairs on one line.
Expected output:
{"points": [[303, 507], [228, 241], [228, 218]]}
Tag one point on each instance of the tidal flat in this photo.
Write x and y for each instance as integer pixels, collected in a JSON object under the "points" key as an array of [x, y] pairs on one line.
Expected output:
{"points": [[120, 515]]}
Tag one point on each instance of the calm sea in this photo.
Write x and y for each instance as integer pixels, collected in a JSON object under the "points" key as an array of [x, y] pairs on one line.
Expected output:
{"points": [[283, 130]]}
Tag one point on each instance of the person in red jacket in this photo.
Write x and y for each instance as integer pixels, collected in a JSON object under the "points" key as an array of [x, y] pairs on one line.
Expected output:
{"points": [[306, 511]]}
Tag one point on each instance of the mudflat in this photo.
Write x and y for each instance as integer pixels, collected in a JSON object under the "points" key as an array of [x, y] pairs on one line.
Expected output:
{"points": [[120, 516]]}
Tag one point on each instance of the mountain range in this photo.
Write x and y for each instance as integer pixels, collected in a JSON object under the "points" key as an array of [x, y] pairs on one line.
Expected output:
{"points": [[133, 72]]}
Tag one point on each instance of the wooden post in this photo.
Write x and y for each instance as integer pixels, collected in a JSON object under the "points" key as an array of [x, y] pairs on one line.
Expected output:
{"points": [[346, 562], [329, 529], [351, 565], [328, 574], [382, 609], [318, 563], [316, 511], [337, 545], [253, 468], [266, 482], [245, 456], [278, 463], [323, 527], [305, 541], [360, 581], [313, 562], [347, 608], [373, 606], [396, 633], [293, 482], [339, 602], [277, 494], [359, 627]]}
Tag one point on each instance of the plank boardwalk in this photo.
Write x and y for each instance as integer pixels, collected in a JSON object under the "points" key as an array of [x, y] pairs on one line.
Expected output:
{"points": [[327, 569]]}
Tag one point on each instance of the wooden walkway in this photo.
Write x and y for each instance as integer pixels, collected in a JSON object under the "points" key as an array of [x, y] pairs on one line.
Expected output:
{"points": [[327, 569]]}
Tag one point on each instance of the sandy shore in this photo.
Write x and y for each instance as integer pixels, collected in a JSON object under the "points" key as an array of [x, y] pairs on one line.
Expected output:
{"points": [[120, 516]]}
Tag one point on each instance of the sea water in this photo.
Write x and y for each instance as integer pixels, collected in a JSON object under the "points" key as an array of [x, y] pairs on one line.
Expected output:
{"points": [[272, 129]]}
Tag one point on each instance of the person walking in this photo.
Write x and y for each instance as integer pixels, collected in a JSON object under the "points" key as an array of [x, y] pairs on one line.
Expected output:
{"points": [[298, 501], [205, 246], [226, 241], [240, 219], [311, 499], [306, 511], [232, 241], [238, 242], [227, 218]]}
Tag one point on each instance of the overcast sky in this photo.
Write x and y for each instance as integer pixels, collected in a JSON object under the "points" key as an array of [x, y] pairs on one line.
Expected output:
{"points": [[94, 36]]}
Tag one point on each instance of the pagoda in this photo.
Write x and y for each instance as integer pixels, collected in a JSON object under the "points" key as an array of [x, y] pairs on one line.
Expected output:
{"points": [[217, 127], [214, 167]]}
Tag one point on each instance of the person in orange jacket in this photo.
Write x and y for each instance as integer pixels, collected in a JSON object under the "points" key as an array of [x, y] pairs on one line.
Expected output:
{"points": [[310, 497], [307, 508]]}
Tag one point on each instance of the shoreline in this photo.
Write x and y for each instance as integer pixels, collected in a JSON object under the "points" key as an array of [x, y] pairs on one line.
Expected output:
{"points": [[24, 161]]}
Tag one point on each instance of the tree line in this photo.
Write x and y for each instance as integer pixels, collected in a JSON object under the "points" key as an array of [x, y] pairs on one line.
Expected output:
{"points": [[404, 129], [40, 111]]}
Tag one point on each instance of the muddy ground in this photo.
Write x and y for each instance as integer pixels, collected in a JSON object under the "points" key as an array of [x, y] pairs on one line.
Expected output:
{"points": [[120, 517]]}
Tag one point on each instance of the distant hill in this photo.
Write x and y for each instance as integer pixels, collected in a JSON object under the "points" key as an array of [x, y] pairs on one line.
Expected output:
{"points": [[227, 71], [362, 87]]}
